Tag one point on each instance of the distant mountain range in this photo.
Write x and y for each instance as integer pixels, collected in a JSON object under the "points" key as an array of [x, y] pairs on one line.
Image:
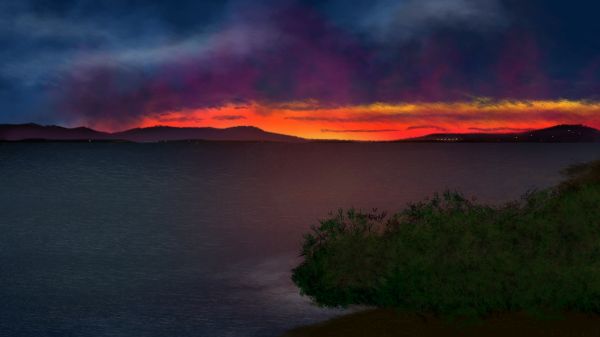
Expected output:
{"points": [[555, 134], [35, 132]]}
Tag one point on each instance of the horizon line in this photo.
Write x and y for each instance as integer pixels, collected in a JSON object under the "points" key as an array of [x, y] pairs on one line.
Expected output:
{"points": [[309, 139]]}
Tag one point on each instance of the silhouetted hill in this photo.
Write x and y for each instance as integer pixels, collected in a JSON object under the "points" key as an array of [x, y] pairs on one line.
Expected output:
{"points": [[27, 132], [22, 132], [555, 134], [17, 132], [564, 133], [238, 133]]}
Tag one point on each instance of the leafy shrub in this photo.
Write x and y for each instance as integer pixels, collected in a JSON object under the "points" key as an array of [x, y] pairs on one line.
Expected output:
{"points": [[450, 256]]}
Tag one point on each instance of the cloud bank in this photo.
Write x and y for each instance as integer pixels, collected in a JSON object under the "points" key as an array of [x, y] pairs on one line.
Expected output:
{"points": [[397, 21], [116, 64]]}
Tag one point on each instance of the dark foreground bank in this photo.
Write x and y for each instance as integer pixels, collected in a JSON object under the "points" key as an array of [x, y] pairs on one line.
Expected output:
{"points": [[389, 323], [452, 258]]}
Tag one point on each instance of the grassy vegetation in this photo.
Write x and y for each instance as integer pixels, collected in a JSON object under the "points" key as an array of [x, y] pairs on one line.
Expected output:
{"points": [[448, 256]]}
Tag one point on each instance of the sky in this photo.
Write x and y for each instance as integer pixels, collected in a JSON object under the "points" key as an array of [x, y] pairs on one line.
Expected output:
{"points": [[343, 69]]}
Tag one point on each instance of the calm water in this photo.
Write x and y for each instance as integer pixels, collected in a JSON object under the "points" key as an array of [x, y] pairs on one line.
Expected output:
{"points": [[198, 239]]}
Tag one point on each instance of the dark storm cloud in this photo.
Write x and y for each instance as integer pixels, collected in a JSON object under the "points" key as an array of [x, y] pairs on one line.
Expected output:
{"points": [[82, 61], [51, 38], [391, 21], [273, 61]]}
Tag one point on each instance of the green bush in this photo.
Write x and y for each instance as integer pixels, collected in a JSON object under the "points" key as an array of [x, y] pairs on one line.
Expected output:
{"points": [[453, 257]]}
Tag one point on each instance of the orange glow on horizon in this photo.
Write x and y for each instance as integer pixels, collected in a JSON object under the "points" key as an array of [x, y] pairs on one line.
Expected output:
{"points": [[384, 121]]}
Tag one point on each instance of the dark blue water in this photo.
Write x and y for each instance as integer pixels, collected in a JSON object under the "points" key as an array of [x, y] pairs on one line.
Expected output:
{"points": [[198, 239]]}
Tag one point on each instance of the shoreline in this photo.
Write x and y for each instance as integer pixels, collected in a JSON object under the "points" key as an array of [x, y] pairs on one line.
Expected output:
{"points": [[391, 323]]}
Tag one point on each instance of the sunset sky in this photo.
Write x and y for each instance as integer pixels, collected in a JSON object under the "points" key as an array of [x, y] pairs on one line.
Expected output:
{"points": [[363, 69]]}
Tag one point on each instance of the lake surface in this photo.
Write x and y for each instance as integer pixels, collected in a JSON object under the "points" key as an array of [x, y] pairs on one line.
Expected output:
{"points": [[199, 239]]}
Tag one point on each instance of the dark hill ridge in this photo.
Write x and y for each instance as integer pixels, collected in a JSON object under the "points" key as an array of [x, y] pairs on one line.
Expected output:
{"points": [[238, 133], [23, 132], [555, 134], [16, 132]]}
